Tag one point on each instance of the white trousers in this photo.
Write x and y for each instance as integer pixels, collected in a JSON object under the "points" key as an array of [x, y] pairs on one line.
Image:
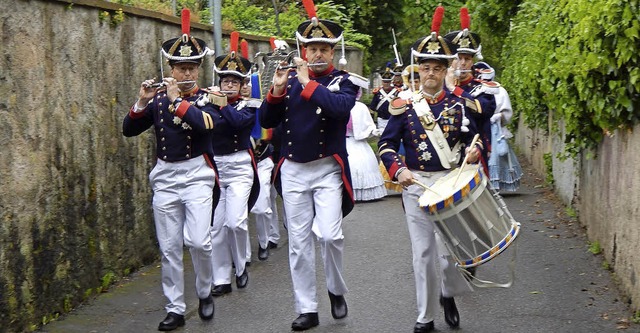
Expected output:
{"points": [[264, 208], [182, 208], [274, 224], [426, 250], [229, 230], [382, 123], [312, 194]]}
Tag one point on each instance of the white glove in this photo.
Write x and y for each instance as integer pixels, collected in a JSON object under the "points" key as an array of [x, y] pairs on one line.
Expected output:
{"points": [[450, 79], [376, 132], [496, 118]]}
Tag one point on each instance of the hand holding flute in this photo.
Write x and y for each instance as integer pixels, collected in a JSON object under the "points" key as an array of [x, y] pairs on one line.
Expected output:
{"points": [[146, 93]]}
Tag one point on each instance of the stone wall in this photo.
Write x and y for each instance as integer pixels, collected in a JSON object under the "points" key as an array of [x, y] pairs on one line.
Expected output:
{"points": [[75, 203], [604, 188]]}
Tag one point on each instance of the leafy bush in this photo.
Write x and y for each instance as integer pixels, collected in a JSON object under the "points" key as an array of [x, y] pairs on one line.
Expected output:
{"points": [[578, 59]]}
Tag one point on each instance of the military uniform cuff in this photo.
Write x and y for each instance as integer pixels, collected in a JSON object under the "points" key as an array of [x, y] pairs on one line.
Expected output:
{"points": [[272, 99]]}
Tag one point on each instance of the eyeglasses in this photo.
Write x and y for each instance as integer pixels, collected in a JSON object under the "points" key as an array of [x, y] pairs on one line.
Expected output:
{"points": [[231, 82]]}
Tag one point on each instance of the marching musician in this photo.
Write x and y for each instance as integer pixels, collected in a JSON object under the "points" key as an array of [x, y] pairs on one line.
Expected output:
{"points": [[397, 80], [381, 98], [434, 125], [237, 172], [468, 46], [183, 179], [264, 210], [312, 104]]}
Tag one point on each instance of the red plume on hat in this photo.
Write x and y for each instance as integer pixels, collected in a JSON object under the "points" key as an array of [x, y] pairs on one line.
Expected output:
{"points": [[233, 43], [436, 22], [244, 49], [234, 63], [272, 41], [186, 21], [464, 18], [467, 42], [310, 8]]}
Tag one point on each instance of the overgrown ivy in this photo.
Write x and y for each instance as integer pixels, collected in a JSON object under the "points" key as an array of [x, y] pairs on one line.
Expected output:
{"points": [[578, 59]]}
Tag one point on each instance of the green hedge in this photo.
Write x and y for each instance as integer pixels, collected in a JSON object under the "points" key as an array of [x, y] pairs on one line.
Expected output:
{"points": [[578, 58]]}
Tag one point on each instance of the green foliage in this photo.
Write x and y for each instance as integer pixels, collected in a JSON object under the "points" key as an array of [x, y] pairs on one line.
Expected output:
{"points": [[376, 18], [548, 164], [595, 248], [112, 18], [491, 20], [578, 59], [108, 279], [636, 317]]}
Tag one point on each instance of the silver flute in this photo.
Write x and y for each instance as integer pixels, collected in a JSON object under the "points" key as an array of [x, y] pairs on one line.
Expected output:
{"points": [[162, 84], [458, 72], [295, 66]]}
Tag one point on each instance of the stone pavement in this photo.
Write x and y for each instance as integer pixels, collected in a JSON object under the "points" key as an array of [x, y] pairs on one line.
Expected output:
{"points": [[559, 285]]}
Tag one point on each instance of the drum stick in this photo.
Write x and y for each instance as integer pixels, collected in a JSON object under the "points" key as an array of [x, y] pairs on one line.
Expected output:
{"points": [[425, 187], [464, 162]]}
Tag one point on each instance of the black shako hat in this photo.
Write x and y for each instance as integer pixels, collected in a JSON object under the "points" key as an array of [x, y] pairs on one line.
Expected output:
{"points": [[233, 63], [185, 48], [466, 42], [319, 31], [433, 46], [387, 76]]}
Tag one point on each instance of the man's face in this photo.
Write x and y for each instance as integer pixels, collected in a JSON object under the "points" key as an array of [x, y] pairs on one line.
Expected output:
{"points": [[386, 85], [319, 53], [465, 62], [432, 73], [230, 85], [185, 71], [397, 81], [414, 83], [245, 91]]}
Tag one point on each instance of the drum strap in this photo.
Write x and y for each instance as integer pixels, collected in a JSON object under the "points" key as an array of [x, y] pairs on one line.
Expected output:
{"points": [[448, 157]]}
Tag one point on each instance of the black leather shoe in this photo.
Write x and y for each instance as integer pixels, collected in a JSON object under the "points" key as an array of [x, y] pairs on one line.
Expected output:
{"points": [[263, 254], [423, 327], [272, 245], [339, 308], [242, 280], [451, 315], [221, 289], [305, 321], [171, 322], [206, 308]]}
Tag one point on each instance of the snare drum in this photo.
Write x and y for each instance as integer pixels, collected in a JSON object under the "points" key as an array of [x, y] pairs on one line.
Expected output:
{"points": [[472, 219]]}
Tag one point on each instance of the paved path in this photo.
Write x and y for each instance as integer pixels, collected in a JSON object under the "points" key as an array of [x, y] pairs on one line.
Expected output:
{"points": [[560, 286]]}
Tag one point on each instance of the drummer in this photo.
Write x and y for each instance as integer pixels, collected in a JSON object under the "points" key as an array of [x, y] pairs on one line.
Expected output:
{"points": [[438, 112]]}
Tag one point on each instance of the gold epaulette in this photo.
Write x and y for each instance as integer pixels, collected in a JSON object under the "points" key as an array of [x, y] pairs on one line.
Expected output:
{"points": [[473, 105], [218, 98], [397, 106]]}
